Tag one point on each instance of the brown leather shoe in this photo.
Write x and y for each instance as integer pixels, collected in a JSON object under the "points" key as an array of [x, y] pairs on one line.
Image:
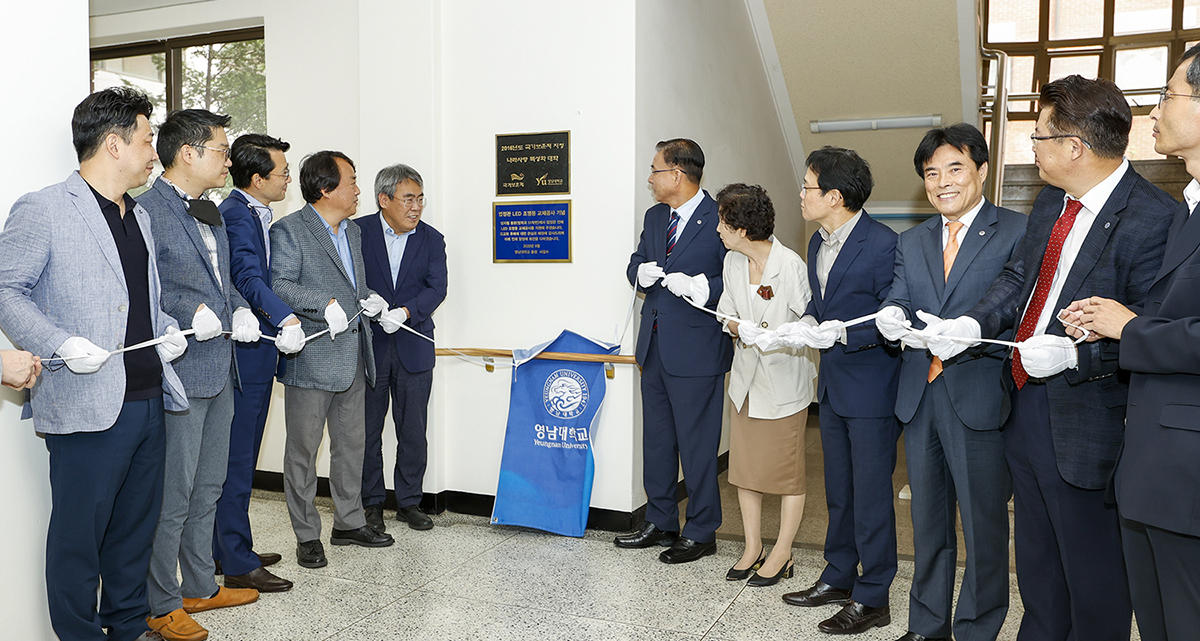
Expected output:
{"points": [[177, 626], [259, 579], [821, 593], [856, 618], [225, 598]]}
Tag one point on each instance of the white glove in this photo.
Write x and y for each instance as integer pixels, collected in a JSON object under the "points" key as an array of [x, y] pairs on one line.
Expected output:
{"points": [[392, 319], [649, 273], [290, 339], [174, 346], [892, 323], [1047, 355], [767, 341], [694, 288], [373, 305], [206, 323], [82, 356], [913, 340], [245, 326], [335, 317], [823, 336], [937, 329], [749, 333]]}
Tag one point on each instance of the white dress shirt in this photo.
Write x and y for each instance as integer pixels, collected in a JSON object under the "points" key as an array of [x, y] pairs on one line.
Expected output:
{"points": [[685, 212], [831, 246], [966, 220]]}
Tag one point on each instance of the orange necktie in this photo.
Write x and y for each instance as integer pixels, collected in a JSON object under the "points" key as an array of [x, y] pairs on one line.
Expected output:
{"points": [[948, 255]]}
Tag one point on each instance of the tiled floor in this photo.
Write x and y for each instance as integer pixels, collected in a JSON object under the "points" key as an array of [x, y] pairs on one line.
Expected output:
{"points": [[466, 579]]}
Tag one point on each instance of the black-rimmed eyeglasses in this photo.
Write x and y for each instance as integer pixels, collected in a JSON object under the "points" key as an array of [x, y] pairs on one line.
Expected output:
{"points": [[1035, 139]]}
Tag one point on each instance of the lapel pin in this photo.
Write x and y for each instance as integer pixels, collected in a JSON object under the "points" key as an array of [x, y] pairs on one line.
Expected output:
{"points": [[982, 233], [1106, 225]]}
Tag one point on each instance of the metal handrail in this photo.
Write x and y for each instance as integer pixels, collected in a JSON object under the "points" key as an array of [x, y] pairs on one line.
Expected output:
{"points": [[999, 117]]}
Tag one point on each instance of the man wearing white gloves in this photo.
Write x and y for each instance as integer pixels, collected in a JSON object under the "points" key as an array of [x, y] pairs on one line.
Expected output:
{"points": [[684, 354], [193, 261], [79, 279], [1097, 230], [317, 270]]}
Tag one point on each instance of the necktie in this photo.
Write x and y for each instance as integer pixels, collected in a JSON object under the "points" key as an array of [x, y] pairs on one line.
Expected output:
{"points": [[671, 227], [948, 255], [1045, 277]]}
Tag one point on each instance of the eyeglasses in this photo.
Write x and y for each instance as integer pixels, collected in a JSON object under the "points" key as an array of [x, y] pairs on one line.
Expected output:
{"points": [[659, 171], [805, 188], [1164, 94], [1034, 139], [285, 175], [410, 201], [226, 151]]}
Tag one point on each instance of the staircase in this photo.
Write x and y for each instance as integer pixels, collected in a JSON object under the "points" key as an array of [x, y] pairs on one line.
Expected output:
{"points": [[1021, 182]]}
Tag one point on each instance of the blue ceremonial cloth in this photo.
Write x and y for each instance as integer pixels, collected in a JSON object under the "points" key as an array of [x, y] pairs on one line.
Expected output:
{"points": [[546, 468]]}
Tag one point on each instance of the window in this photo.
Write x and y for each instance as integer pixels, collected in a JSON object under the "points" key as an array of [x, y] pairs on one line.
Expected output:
{"points": [[1134, 43]]}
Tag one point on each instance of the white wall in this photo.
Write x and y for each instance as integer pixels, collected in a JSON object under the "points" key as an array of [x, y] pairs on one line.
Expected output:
{"points": [[43, 88]]}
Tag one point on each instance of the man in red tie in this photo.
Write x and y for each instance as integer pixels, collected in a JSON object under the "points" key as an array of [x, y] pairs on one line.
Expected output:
{"points": [[1097, 229]]}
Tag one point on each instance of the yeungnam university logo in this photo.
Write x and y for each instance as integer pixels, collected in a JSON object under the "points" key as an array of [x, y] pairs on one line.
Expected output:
{"points": [[565, 394]]}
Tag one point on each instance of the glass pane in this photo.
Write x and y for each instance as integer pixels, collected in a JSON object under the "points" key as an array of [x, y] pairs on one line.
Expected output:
{"points": [[1064, 66], [1141, 143], [1142, 16], [147, 73], [1020, 81], [1017, 148], [1071, 19], [1191, 14], [1141, 68], [1013, 21]]}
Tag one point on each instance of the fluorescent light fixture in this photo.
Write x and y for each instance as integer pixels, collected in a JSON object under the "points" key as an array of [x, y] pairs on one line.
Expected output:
{"points": [[870, 124]]}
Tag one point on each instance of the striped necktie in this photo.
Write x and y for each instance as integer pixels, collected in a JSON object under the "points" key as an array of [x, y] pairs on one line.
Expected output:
{"points": [[671, 228]]}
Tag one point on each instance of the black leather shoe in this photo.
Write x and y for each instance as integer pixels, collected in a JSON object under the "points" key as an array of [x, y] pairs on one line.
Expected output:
{"points": [[686, 550], [856, 618], [415, 518], [913, 636], [760, 581], [268, 559], [821, 593], [311, 554], [374, 514], [259, 579], [735, 574], [363, 536], [647, 536]]}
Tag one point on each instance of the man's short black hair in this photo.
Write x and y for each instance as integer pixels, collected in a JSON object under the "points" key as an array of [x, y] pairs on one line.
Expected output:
{"points": [[845, 171], [113, 110], [251, 154], [319, 172], [192, 127], [748, 207], [962, 136], [684, 154], [1094, 110]]}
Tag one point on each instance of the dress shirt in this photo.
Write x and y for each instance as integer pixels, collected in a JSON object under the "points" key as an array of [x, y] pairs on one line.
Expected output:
{"points": [[966, 220], [686, 210], [206, 233], [1191, 195], [342, 243], [396, 243], [265, 215], [831, 247], [1093, 201]]}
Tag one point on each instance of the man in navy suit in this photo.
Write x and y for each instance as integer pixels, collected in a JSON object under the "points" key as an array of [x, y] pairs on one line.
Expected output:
{"points": [[1157, 476], [683, 353], [1096, 230], [260, 176], [850, 268], [952, 411], [406, 265]]}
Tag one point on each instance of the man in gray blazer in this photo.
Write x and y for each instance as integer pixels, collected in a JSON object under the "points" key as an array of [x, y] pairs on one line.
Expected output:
{"points": [[952, 411], [317, 269], [78, 279], [193, 263]]}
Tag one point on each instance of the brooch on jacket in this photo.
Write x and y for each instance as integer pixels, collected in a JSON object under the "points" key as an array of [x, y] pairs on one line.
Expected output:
{"points": [[765, 292]]}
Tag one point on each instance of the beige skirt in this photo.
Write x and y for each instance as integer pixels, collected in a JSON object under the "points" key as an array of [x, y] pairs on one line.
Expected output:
{"points": [[767, 455]]}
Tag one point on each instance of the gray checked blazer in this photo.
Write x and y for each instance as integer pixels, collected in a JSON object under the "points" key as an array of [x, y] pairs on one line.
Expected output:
{"points": [[305, 273], [188, 280], [61, 276]]}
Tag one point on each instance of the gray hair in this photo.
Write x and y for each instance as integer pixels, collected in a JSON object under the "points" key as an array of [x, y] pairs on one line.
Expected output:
{"points": [[388, 177]]}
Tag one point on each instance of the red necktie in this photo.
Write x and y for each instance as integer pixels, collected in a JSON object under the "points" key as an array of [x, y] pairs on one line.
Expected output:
{"points": [[1045, 277]]}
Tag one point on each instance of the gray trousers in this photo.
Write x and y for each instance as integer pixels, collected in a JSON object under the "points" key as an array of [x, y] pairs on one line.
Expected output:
{"points": [[305, 413], [197, 444]]}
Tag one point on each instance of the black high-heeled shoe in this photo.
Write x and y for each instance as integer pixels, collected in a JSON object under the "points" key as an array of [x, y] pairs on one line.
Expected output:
{"points": [[735, 574], [760, 581]]}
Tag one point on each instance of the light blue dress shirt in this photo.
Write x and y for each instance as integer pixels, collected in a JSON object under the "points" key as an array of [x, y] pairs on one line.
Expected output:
{"points": [[396, 243], [342, 243]]}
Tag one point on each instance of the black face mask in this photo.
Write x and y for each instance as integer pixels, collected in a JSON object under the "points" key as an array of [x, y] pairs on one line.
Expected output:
{"points": [[205, 211]]}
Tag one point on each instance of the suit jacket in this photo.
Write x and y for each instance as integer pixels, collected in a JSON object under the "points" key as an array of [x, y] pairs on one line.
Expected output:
{"points": [[789, 385], [306, 272], [690, 341], [248, 263], [973, 377], [420, 286], [187, 281], [1119, 258], [1158, 476], [61, 276], [860, 377]]}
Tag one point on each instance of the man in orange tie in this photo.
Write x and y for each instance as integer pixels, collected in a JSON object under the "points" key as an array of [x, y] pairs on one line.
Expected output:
{"points": [[952, 411], [1097, 230]]}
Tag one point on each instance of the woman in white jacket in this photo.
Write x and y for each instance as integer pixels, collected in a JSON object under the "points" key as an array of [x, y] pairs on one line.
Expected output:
{"points": [[766, 285]]}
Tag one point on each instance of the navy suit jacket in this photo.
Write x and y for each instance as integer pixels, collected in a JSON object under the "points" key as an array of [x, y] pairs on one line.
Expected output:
{"points": [[973, 377], [1119, 259], [860, 377], [420, 286], [1158, 476], [690, 342]]}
